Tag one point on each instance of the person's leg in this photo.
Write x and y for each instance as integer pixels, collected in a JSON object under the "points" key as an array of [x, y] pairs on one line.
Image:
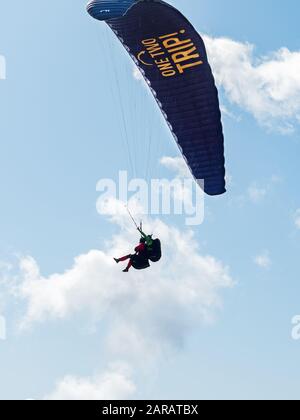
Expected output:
{"points": [[128, 266], [122, 259]]}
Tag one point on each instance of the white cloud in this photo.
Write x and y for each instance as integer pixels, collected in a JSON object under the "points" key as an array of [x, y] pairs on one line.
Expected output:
{"points": [[229, 179], [177, 165], [148, 311], [2, 328], [2, 68], [256, 193], [112, 385], [228, 113], [297, 219], [263, 260], [268, 87], [137, 74]]}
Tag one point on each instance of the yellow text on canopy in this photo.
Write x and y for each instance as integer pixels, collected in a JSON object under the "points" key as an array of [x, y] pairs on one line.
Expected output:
{"points": [[172, 53]]}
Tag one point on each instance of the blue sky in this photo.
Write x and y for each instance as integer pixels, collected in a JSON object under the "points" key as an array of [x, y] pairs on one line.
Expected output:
{"points": [[62, 131]]}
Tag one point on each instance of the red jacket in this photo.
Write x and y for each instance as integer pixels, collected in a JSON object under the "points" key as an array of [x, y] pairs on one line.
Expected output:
{"points": [[140, 248]]}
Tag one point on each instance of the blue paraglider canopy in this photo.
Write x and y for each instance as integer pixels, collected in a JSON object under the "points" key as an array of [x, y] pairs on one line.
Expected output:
{"points": [[172, 58]]}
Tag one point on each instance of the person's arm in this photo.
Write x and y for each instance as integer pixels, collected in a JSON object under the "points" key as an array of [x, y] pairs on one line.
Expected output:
{"points": [[149, 240], [142, 233]]}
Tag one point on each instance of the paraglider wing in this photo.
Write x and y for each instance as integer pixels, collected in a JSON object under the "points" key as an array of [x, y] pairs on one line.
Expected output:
{"points": [[172, 57]]}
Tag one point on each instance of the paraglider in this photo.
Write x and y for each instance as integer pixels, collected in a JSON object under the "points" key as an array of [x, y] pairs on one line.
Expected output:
{"points": [[139, 260], [148, 249], [172, 57], [154, 253]]}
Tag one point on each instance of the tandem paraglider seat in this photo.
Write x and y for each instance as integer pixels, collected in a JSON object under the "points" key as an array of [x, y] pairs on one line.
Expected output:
{"points": [[155, 254], [140, 262]]}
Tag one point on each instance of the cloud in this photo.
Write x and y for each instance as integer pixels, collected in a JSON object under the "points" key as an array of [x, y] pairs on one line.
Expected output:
{"points": [[148, 311], [114, 384], [297, 219], [268, 87], [138, 75], [256, 193], [263, 260], [229, 114], [2, 328], [148, 314], [229, 179], [177, 165], [2, 68]]}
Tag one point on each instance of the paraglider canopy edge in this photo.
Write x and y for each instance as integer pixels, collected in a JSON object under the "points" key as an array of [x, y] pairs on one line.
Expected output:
{"points": [[105, 10]]}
